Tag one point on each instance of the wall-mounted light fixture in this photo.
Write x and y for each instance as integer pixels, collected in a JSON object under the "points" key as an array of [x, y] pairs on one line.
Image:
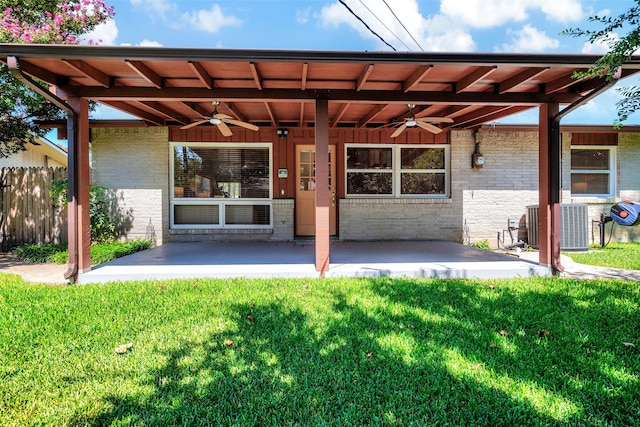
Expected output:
{"points": [[282, 133]]}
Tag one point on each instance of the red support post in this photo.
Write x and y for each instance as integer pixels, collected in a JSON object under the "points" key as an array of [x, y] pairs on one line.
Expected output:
{"points": [[82, 177], [322, 185]]}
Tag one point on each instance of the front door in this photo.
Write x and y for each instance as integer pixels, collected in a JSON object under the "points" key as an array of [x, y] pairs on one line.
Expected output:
{"points": [[306, 190]]}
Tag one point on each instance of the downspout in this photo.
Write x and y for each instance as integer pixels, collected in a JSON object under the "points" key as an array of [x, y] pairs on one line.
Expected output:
{"points": [[555, 137], [14, 66]]}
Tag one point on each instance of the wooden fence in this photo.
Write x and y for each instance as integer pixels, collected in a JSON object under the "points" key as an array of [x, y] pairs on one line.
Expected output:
{"points": [[29, 214]]}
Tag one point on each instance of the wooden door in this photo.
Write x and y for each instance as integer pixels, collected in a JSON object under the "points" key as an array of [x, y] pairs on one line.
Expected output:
{"points": [[306, 190]]}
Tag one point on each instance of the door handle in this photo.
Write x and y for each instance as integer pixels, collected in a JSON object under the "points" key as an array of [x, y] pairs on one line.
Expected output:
{"points": [[333, 200]]}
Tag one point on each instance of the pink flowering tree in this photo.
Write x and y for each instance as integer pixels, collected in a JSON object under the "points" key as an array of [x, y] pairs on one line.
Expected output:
{"points": [[42, 22]]}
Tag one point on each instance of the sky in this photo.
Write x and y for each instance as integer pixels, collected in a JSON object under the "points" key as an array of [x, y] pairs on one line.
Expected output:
{"points": [[528, 26]]}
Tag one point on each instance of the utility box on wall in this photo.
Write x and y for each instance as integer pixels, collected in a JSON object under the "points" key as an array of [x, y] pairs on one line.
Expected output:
{"points": [[574, 226]]}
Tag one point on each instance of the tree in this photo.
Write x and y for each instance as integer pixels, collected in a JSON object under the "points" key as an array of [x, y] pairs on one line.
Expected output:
{"points": [[46, 22], [620, 50]]}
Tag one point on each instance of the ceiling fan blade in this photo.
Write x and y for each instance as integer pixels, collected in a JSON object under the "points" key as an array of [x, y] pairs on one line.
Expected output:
{"points": [[242, 124], [428, 126], [190, 125], [436, 119], [398, 131], [224, 129], [222, 116]]}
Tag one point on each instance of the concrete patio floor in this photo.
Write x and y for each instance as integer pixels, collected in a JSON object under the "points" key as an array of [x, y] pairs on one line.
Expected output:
{"points": [[433, 259]]}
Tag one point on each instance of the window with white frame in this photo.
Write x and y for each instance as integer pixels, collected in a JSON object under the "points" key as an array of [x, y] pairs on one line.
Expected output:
{"points": [[593, 171], [218, 185], [397, 170]]}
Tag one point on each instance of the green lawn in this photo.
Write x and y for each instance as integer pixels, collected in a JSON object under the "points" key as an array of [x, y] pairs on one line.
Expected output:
{"points": [[617, 255], [321, 352]]}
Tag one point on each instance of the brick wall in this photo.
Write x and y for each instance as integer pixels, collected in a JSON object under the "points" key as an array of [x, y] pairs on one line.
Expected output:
{"points": [[628, 188], [502, 188], [135, 163], [398, 219]]}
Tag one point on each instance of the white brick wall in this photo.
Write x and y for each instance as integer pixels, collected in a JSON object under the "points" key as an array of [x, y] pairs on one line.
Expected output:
{"points": [[502, 188], [398, 219], [135, 163]]}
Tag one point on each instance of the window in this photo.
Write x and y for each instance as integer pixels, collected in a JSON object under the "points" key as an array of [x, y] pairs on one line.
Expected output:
{"points": [[397, 170], [221, 185], [593, 171]]}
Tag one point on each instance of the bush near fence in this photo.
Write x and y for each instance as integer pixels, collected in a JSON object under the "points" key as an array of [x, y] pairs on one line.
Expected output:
{"points": [[29, 214]]}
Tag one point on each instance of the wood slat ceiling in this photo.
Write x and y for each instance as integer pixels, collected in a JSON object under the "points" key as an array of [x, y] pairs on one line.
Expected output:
{"points": [[167, 86]]}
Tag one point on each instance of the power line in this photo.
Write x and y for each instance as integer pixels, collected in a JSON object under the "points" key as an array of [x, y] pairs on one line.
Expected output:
{"points": [[365, 24], [385, 25], [405, 28]]}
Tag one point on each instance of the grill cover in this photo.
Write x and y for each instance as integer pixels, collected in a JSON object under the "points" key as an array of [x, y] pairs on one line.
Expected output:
{"points": [[626, 213]]}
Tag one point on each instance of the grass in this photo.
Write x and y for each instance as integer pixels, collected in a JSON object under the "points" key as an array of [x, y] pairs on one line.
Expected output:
{"points": [[615, 254], [100, 253], [330, 352]]}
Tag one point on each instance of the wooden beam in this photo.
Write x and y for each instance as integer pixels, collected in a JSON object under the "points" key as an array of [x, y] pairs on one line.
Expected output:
{"points": [[41, 74], [198, 108], [138, 112], [473, 77], [478, 114], [371, 114], [123, 93], [256, 75], [272, 116], [305, 72], [441, 110], [559, 84], [201, 73], [416, 77], [486, 118], [520, 78], [146, 73], [341, 110], [301, 121], [234, 111], [364, 76], [87, 70], [548, 187], [165, 111], [83, 181]]}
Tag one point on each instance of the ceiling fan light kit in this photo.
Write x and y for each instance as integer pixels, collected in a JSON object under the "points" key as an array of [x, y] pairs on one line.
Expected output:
{"points": [[221, 121], [426, 123]]}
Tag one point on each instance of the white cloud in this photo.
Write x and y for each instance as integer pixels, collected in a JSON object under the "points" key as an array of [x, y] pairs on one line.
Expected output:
{"points": [[563, 10], [103, 34], [149, 43], [302, 15], [494, 13], [210, 21], [485, 13], [400, 26], [601, 46], [529, 39], [160, 8]]}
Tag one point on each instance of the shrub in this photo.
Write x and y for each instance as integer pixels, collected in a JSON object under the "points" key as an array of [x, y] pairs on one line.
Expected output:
{"points": [[105, 218], [100, 253], [481, 244]]}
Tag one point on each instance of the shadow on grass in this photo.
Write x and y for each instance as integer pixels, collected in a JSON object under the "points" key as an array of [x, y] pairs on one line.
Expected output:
{"points": [[394, 352]]}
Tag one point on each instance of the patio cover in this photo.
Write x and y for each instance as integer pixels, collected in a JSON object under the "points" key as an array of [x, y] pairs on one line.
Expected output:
{"points": [[320, 89]]}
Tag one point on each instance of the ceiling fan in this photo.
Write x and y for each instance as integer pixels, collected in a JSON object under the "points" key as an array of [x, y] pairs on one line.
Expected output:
{"points": [[221, 121], [425, 123]]}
